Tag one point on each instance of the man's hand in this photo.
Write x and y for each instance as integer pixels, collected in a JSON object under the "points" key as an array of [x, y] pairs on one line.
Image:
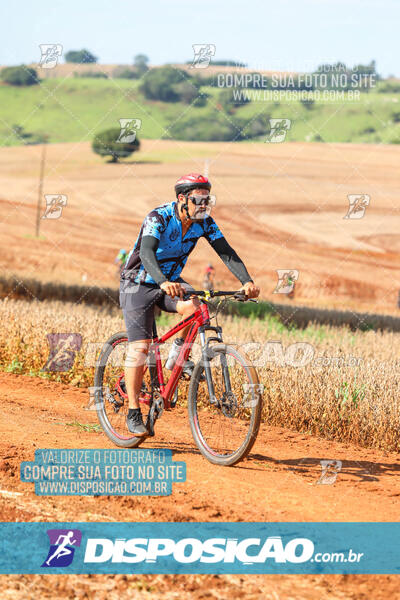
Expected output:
{"points": [[250, 290], [173, 288]]}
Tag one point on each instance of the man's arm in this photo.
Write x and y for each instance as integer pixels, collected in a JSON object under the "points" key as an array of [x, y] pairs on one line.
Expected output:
{"points": [[149, 260], [236, 266], [230, 258], [148, 257]]}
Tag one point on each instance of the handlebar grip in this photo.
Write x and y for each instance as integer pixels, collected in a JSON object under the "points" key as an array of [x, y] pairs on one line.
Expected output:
{"points": [[240, 297]]}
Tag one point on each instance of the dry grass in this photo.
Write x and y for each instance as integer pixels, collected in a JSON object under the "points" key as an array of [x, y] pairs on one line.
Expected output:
{"points": [[21, 288], [348, 389]]}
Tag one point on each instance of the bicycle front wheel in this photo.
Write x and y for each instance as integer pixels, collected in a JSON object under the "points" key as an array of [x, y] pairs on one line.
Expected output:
{"points": [[226, 425]]}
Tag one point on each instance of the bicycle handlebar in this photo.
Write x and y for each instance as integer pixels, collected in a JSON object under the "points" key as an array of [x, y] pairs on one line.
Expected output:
{"points": [[237, 295]]}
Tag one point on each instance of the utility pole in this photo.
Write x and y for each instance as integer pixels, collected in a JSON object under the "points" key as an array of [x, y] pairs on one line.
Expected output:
{"points": [[41, 177]]}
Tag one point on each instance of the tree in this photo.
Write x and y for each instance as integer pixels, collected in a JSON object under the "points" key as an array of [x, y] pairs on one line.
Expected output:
{"points": [[189, 93], [228, 63], [21, 75], [91, 74], [140, 62], [257, 127], [80, 56], [366, 69], [160, 84], [389, 87], [232, 98], [308, 103], [201, 100], [396, 116], [204, 129], [28, 138], [125, 73], [105, 143]]}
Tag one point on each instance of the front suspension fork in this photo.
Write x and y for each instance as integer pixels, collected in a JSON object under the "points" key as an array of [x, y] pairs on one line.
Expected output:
{"points": [[206, 355]]}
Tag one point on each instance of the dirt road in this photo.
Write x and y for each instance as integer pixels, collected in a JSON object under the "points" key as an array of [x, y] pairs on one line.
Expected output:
{"points": [[278, 482]]}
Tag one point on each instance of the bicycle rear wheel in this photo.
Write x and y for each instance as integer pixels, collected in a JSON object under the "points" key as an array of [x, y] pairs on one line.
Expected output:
{"points": [[225, 427], [111, 400]]}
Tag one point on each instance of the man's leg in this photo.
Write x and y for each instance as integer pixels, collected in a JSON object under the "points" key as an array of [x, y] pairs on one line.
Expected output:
{"points": [[137, 303], [137, 353], [134, 367], [186, 308]]}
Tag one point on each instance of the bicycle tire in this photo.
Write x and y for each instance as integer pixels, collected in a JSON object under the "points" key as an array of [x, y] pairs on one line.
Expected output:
{"points": [[129, 442], [255, 420]]}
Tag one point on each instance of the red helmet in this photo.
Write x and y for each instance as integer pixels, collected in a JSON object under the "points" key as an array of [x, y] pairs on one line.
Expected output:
{"points": [[192, 181]]}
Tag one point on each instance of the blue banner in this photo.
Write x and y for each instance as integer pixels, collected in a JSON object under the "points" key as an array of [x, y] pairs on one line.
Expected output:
{"points": [[251, 548]]}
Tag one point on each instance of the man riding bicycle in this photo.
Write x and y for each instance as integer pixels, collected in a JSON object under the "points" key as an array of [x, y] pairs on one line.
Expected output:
{"points": [[151, 276], [208, 280]]}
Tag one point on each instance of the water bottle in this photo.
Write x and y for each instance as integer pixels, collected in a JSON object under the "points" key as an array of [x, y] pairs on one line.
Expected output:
{"points": [[174, 353]]}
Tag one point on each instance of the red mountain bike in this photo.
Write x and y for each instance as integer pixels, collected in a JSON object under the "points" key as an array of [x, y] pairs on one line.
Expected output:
{"points": [[224, 398]]}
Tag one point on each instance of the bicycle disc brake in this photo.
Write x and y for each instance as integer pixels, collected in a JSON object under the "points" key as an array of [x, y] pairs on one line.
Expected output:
{"points": [[112, 399], [229, 405]]}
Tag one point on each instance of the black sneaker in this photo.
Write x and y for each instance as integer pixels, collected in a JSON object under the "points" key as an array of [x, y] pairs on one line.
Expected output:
{"points": [[134, 422]]}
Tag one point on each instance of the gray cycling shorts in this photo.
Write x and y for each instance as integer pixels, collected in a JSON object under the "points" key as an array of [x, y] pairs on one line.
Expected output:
{"points": [[138, 300]]}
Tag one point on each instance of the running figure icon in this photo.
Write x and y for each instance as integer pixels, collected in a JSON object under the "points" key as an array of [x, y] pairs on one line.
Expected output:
{"points": [[63, 544], [62, 547]]}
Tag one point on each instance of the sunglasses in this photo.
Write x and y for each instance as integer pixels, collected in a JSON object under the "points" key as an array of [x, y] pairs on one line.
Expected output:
{"points": [[200, 200]]}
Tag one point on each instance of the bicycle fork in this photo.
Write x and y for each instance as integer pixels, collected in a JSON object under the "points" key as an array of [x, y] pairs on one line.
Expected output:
{"points": [[207, 354]]}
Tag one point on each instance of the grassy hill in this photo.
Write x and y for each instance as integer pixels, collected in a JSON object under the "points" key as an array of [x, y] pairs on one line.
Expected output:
{"points": [[73, 109]]}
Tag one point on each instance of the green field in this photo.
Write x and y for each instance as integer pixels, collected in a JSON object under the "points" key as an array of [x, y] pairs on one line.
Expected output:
{"points": [[73, 109]]}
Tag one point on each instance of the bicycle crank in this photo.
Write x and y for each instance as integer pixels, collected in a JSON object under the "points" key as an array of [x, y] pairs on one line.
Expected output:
{"points": [[156, 410]]}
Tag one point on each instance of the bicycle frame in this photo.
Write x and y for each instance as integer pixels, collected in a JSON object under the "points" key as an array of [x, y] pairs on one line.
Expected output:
{"points": [[214, 369], [199, 318]]}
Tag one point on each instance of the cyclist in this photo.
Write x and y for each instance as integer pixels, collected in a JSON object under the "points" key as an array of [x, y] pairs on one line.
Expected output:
{"points": [[120, 259], [209, 274], [151, 276]]}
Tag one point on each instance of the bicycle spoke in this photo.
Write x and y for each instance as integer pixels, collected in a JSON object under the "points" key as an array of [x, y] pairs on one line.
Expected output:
{"points": [[225, 427]]}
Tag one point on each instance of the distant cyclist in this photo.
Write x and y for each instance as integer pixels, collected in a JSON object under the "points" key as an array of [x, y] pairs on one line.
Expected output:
{"points": [[209, 275], [120, 259], [151, 276]]}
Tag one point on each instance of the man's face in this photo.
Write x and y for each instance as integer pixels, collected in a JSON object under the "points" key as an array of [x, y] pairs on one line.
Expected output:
{"points": [[196, 212]]}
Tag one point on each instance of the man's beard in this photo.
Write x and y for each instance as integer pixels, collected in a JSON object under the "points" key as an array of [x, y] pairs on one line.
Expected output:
{"points": [[201, 214]]}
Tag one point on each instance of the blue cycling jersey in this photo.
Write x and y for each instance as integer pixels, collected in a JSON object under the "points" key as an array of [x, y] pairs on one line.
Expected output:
{"points": [[172, 253]]}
